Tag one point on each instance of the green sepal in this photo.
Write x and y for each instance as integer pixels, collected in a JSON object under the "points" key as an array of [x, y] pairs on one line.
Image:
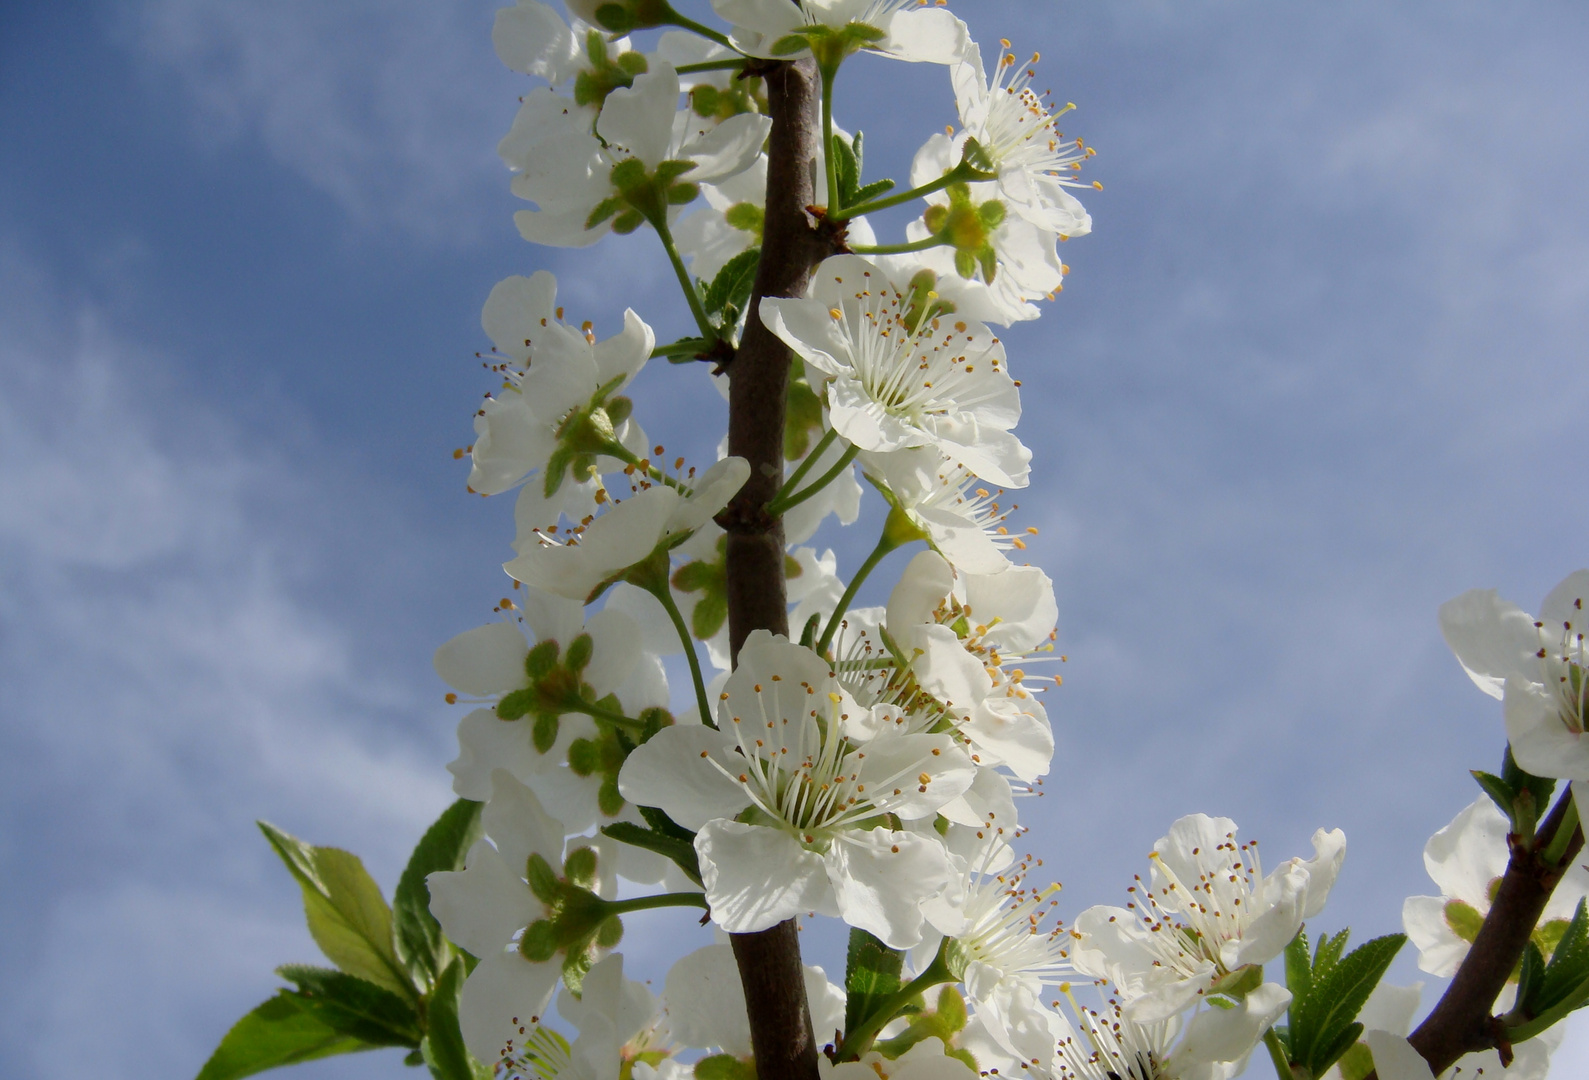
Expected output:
{"points": [[577, 657], [516, 704], [580, 867], [724, 1067], [681, 851], [544, 733], [628, 221], [540, 660], [542, 878], [604, 210], [871, 976], [348, 918], [813, 627], [417, 936]]}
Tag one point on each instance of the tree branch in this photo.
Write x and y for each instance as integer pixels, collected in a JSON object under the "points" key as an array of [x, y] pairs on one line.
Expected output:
{"points": [[769, 962], [1462, 1023]]}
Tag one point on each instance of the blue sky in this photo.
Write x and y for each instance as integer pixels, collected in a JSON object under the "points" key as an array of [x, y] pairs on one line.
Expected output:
{"points": [[1319, 368]]}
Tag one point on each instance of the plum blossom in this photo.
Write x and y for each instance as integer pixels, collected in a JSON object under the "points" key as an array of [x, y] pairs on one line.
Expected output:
{"points": [[485, 909], [560, 410], [579, 563], [962, 519], [901, 29], [1016, 132], [1467, 859], [1535, 667], [896, 379], [787, 801], [1387, 1015], [642, 160], [1207, 913]]}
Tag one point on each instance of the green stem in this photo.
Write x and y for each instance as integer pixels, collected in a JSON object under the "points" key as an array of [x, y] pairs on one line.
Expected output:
{"points": [[835, 210], [660, 223], [684, 22], [899, 249], [661, 900], [805, 466], [885, 544], [710, 65], [858, 1041], [595, 712], [961, 173], [1277, 1054], [681, 348], [1564, 831], [782, 505], [665, 594]]}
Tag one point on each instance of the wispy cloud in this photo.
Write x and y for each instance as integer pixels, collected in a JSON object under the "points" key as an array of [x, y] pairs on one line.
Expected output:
{"points": [[169, 676]]}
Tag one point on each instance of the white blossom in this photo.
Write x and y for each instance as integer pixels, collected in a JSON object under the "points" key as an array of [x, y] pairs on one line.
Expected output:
{"points": [[910, 29]]}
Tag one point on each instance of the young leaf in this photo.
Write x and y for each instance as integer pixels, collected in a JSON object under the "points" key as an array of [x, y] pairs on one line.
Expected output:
{"points": [[846, 169], [443, 1048], [348, 918], [282, 1031], [417, 936], [1299, 972], [1499, 791], [1319, 1029], [1328, 953], [872, 191], [679, 850], [354, 1007], [1567, 970], [733, 282], [871, 974]]}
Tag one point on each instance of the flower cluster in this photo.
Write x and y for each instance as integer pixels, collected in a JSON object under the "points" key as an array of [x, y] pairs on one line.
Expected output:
{"points": [[866, 764]]}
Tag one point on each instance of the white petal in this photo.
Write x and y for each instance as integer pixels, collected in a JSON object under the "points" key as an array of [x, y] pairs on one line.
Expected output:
{"points": [[673, 770], [1541, 742], [639, 118], [1394, 1057], [927, 580], [757, 877], [483, 905], [517, 310], [1263, 939], [486, 743], [713, 491], [1016, 605], [624, 354], [503, 994], [486, 662], [615, 651], [518, 826], [706, 1002], [880, 879], [1228, 1034], [727, 149], [1329, 852], [1491, 637]]}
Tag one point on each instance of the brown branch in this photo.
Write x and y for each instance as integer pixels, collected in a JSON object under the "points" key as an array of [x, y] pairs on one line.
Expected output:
{"points": [[1462, 1023], [769, 962]]}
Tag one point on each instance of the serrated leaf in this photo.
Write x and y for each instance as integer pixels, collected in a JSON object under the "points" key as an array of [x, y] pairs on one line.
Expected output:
{"points": [[660, 822], [1339, 1047], [282, 1031], [732, 282], [354, 1006], [1531, 973], [443, 1047], [682, 852], [1568, 967], [846, 171], [871, 975], [1320, 1023], [348, 918], [873, 190], [1299, 972], [417, 936], [1328, 953]]}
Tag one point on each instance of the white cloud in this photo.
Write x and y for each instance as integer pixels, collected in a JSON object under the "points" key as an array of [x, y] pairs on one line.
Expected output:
{"points": [[170, 675]]}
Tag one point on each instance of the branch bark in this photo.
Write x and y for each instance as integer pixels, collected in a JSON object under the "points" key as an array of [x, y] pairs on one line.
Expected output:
{"points": [[1462, 1022], [769, 962]]}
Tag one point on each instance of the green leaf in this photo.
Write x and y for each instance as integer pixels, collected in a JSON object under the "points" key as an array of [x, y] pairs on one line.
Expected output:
{"points": [[1497, 789], [846, 170], [733, 281], [871, 975], [348, 918], [1299, 972], [1321, 1024], [681, 851], [1530, 975], [1328, 953], [418, 937], [1568, 967], [354, 1007], [873, 190], [443, 1047], [282, 1031]]}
